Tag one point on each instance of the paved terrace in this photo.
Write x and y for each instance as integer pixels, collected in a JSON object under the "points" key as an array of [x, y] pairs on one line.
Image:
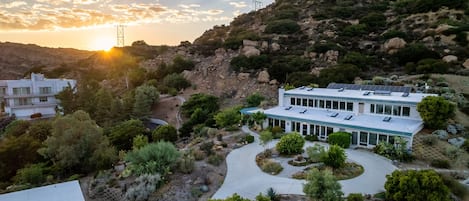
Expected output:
{"points": [[245, 178]]}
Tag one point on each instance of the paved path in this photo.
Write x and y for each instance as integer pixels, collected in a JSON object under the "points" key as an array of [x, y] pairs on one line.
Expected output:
{"points": [[245, 178]]}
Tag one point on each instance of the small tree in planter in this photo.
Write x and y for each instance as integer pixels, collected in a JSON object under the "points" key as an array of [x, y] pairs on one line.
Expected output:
{"points": [[335, 157], [291, 143], [265, 137]]}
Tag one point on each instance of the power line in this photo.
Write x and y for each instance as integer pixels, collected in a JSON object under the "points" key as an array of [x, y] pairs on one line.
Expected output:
{"points": [[257, 4]]}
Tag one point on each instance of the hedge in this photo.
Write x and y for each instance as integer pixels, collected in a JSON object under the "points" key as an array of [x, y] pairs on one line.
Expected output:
{"points": [[340, 138]]}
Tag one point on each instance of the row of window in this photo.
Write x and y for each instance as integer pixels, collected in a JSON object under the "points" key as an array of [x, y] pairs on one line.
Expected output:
{"points": [[367, 138], [319, 103], [276, 122], [27, 90], [28, 101], [312, 129], [395, 110], [3, 91]]}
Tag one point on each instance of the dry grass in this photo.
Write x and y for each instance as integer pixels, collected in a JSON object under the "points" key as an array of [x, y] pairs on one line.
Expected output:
{"points": [[457, 82]]}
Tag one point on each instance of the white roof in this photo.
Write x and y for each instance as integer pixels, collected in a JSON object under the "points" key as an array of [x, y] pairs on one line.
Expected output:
{"points": [[358, 94], [67, 191], [372, 123]]}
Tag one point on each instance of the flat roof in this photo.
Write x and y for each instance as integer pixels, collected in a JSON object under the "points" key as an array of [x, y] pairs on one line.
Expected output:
{"points": [[67, 191], [413, 98], [370, 87], [371, 123]]}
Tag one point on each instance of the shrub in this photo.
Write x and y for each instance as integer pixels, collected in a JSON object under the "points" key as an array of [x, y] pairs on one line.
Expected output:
{"points": [[431, 66], [342, 73], [176, 81], [186, 163], [165, 133], [139, 141], [249, 139], [17, 128], [430, 140], [340, 138], [291, 143], [315, 153], [357, 59], [403, 185], [199, 155], [322, 185], [215, 159], [455, 187], [276, 129], [144, 186], [243, 63], [254, 100], [207, 147], [31, 174], [440, 163], [374, 20], [465, 146], [415, 53], [153, 158], [355, 197], [271, 167], [354, 30], [435, 111], [452, 152], [335, 157], [311, 138], [285, 26], [395, 33]]}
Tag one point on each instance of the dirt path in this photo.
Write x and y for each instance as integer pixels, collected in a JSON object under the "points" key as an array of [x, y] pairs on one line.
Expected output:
{"points": [[168, 109]]}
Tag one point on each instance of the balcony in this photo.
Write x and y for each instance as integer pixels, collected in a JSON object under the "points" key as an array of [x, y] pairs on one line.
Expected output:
{"points": [[27, 95], [33, 105]]}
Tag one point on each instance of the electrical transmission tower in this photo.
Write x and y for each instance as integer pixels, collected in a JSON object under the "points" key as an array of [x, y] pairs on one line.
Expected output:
{"points": [[257, 4], [120, 35]]}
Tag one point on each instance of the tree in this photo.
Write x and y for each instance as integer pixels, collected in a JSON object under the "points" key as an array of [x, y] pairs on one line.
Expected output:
{"points": [[145, 97], [77, 144], [322, 186], [335, 157], [122, 134], [17, 128], [415, 185], [254, 100], [15, 153], [153, 158], [207, 103], [259, 118], [435, 111], [291, 143], [67, 99], [176, 81], [228, 117], [165, 133], [40, 130], [265, 137], [102, 114], [31, 174]]}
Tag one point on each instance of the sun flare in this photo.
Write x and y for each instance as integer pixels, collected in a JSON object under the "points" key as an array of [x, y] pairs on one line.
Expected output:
{"points": [[104, 44]]}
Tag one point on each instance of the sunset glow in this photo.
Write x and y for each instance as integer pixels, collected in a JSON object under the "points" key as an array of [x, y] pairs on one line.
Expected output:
{"points": [[90, 24]]}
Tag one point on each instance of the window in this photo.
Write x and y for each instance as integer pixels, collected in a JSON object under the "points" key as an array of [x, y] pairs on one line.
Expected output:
{"points": [[321, 103], [342, 105], [311, 129], [282, 125], [363, 138], [379, 109], [328, 104], [298, 101], [271, 122], [276, 122], [406, 111], [3, 91], [391, 139], [305, 102], [372, 108], [330, 130], [383, 138], [21, 91], [335, 105], [396, 110], [42, 99], [45, 90], [292, 101], [296, 126], [310, 103], [315, 102], [373, 138], [316, 131], [387, 109], [22, 101], [349, 106]]}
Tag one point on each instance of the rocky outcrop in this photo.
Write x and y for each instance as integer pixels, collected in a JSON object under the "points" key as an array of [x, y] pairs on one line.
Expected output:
{"points": [[263, 77], [275, 47], [243, 76], [331, 56], [394, 44], [250, 51], [450, 58], [466, 64]]}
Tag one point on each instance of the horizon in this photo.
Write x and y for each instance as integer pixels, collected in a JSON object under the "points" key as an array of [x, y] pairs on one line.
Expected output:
{"points": [[92, 24]]}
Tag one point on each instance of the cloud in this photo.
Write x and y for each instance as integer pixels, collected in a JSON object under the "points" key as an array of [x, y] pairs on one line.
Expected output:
{"points": [[85, 2], [54, 2], [14, 4], [240, 4]]}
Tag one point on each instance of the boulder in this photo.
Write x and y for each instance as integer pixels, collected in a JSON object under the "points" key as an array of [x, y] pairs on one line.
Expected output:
{"points": [[220, 52], [263, 77], [332, 56], [466, 63], [250, 43], [458, 142], [250, 51], [442, 134], [273, 82], [452, 129], [243, 76], [264, 45], [392, 45], [441, 28], [275, 47], [450, 58]]}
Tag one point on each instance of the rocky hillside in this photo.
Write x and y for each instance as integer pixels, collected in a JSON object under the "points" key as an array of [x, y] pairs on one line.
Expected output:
{"points": [[17, 59]]}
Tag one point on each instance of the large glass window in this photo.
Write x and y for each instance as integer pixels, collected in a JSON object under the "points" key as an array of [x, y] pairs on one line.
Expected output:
{"points": [[349, 106], [335, 105], [22, 101], [3, 91], [342, 105], [305, 102], [292, 101], [383, 138], [406, 111], [396, 110], [271, 122], [315, 102], [330, 130], [310, 103], [311, 129], [363, 138], [391, 139], [372, 108], [328, 104], [321, 103], [316, 131], [373, 138], [379, 109], [387, 109], [282, 125], [45, 90], [298, 101], [21, 91]]}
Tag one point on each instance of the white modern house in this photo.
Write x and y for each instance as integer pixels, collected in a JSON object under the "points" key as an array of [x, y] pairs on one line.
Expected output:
{"points": [[370, 113], [25, 97], [67, 191]]}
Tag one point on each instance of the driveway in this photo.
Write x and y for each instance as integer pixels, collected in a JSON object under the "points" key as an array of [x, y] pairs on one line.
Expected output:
{"points": [[245, 178]]}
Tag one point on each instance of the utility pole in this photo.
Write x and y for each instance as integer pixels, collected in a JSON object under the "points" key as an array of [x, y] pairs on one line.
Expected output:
{"points": [[120, 35], [257, 4]]}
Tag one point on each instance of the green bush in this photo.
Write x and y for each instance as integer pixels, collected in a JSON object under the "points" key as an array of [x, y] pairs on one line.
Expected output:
{"points": [[431, 66], [249, 139], [285, 26], [276, 130], [207, 147], [430, 140], [423, 6], [176, 81], [403, 185], [374, 20], [435, 111], [271, 167], [31, 174], [440, 163], [357, 59], [355, 197], [311, 138], [395, 33], [340, 138], [165, 133], [236, 37], [242, 63], [324, 47], [153, 158], [452, 152], [342, 73], [335, 157], [215, 159], [465, 146], [17, 128], [415, 53], [291, 143], [254, 100], [315, 153], [354, 30], [186, 163]]}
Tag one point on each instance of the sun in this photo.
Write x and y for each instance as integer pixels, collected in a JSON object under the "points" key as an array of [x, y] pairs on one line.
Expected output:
{"points": [[103, 43]]}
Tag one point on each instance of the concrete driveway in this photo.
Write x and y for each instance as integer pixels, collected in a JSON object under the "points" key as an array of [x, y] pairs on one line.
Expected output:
{"points": [[245, 178]]}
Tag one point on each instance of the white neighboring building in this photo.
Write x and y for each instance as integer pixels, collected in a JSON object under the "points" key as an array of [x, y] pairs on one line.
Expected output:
{"points": [[370, 116], [67, 191], [30, 96]]}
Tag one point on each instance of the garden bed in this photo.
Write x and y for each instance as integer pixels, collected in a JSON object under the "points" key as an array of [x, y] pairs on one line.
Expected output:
{"points": [[349, 171]]}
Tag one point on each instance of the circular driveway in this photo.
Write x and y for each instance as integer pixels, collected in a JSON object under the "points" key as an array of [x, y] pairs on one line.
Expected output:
{"points": [[246, 179]]}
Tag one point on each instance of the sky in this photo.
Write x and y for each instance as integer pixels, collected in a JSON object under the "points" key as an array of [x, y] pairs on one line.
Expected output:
{"points": [[91, 24]]}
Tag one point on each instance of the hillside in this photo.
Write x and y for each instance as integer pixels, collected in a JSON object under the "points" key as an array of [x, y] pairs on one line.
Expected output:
{"points": [[16, 59]]}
